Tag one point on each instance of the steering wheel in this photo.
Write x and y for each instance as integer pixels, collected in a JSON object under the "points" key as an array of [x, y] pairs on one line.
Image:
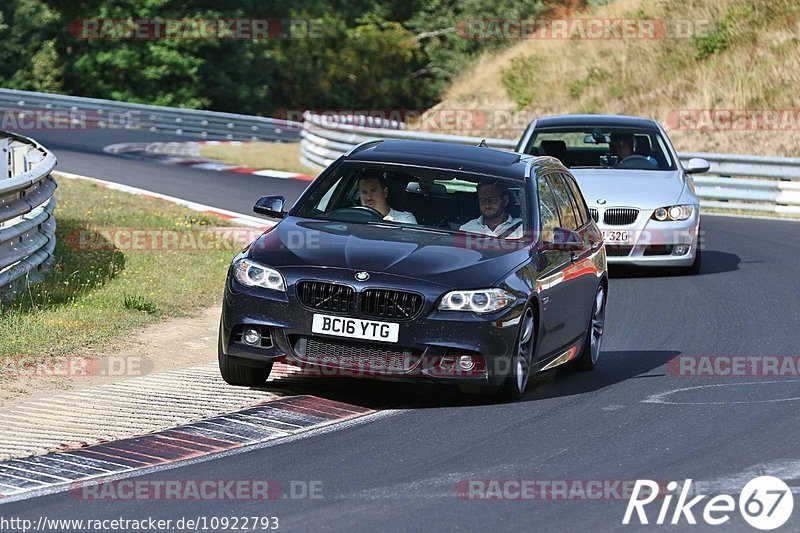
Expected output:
{"points": [[635, 161], [362, 213]]}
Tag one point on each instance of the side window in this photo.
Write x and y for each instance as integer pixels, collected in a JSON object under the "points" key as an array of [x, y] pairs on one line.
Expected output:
{"points": [[564, 202], [581, 211], [325, 201], [548, 212]]}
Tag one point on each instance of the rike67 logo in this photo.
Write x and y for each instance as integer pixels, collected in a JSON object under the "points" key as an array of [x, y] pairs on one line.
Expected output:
{"points": [[765, 503]]}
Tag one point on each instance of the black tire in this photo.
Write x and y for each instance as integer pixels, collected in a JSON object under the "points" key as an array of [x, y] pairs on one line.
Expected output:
{"points": [[515, 383], [236, 373], [590, 350]]}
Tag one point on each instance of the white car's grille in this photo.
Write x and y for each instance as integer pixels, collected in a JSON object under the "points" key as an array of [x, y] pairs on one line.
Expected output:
{"points": [[595, 215], [620, 216]]}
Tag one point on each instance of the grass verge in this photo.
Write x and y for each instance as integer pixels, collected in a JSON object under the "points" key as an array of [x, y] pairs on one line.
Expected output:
{"points": [[273, 156], [122, 262]]}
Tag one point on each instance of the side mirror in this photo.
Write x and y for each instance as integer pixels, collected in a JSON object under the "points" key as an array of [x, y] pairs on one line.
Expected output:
{"points": [[270, 206], [697, 165], [565, 239]]}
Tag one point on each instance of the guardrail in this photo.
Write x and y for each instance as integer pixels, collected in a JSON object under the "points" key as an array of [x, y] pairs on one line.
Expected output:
{"points": [[31, 111], [27, 223], [729, 184], [324, 139], [734, 182]]}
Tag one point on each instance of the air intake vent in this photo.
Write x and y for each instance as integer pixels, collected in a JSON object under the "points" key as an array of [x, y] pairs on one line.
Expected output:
{"points": [[618, 250], [353, 355], [620, 216], [326, 296], [390, 304]]}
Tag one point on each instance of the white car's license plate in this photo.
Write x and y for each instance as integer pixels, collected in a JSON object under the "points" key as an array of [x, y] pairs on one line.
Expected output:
{"points": [[615, 236], [355, 328]]}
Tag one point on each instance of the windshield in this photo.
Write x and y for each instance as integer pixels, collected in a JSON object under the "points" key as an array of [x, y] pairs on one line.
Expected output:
{"points": [[618, 148], [419, 199]]}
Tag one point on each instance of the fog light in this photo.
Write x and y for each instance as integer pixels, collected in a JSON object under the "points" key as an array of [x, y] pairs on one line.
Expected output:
{"points": [[466, 363], [251, 337], [681, 249]]}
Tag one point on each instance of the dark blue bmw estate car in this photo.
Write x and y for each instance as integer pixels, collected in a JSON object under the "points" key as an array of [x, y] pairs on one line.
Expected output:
{"points": [[421, 260]]}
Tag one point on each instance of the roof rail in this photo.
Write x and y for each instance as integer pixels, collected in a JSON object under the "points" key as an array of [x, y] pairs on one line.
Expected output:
{"points": [[362, 146]]}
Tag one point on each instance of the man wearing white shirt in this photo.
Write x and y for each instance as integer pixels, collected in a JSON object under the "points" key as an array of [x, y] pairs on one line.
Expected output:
{"points": [[494, 220], [372, 192]]}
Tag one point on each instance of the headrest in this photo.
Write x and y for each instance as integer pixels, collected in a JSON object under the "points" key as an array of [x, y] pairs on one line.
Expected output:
{"points": [[436, 189], [555, 148], [643, 146]]}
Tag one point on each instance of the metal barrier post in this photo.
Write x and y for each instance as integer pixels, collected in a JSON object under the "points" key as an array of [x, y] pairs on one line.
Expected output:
{"points": [[5, 156]]}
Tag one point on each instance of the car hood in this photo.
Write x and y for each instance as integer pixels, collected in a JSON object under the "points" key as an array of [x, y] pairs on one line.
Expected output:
{"points": [[633, 188], [452, 260]]}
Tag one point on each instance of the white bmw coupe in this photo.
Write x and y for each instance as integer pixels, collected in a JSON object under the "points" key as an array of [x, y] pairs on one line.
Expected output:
{"points": [[638, 192]]}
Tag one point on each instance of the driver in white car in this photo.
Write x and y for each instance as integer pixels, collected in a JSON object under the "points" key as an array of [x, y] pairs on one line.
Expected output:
{"points": [[373, 191], [622, 146]]}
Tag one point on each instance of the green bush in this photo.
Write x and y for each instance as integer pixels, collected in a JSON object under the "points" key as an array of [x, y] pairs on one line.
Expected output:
{"points": [[519, 80]]}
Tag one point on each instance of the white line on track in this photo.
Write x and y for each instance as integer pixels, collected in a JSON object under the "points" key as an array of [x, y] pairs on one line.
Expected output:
{"points": [[662, 397]]}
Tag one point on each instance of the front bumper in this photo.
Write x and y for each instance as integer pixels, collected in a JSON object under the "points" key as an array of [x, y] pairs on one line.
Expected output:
{"points": [[654, 243], [418, 354]]}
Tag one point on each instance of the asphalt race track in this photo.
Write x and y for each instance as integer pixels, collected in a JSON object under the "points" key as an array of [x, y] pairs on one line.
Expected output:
{"points": [[627, 420], [81, 152]]}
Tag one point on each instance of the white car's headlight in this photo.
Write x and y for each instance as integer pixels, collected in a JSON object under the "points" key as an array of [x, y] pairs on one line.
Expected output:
{"points": [[481, 301], [254, 274], [673, 212]]}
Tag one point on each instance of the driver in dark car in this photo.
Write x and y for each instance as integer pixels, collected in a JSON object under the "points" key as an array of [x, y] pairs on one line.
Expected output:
{"points": [[373, 191]]}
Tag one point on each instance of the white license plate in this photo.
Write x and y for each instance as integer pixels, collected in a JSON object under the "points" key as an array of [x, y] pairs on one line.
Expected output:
{"points": [[355, 328], [615, 236]]}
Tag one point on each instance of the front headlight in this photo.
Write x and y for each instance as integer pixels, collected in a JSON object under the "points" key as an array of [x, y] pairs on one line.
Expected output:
{"points": [[254, 274], [673, 212], [482, 301]]}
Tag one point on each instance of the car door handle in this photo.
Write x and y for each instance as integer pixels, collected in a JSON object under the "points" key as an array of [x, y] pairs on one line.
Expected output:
{"points": [[573, 256]]}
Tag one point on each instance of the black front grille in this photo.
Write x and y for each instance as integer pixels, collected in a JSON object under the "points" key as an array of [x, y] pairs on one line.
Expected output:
{"points": [[386, 303], [326, 296], [353, 355], [620, 216], [595, 215], [618, 250]]}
